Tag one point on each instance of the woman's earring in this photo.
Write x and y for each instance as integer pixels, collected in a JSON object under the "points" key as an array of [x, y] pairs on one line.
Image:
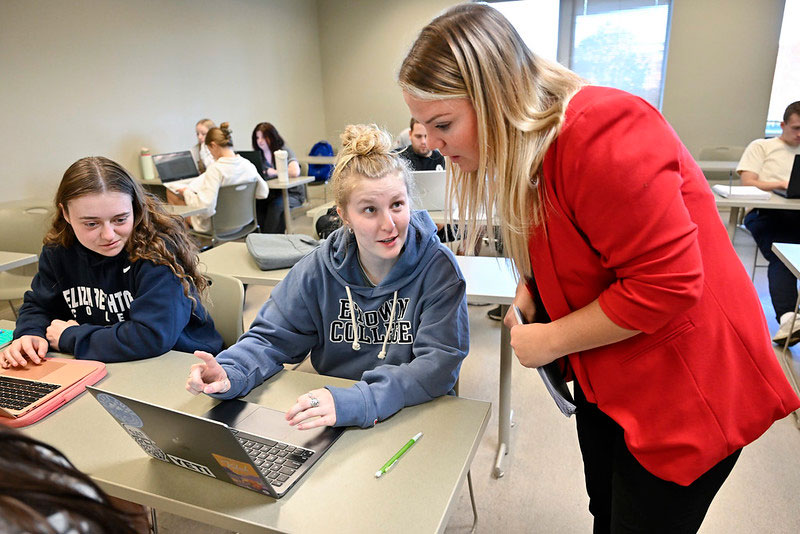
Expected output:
{"points": [[350, 229]]}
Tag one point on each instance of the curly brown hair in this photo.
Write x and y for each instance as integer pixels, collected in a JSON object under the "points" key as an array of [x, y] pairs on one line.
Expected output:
{"points": [[157, 236]]}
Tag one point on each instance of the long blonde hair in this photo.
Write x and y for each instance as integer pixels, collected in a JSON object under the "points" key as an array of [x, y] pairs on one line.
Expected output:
{"points": [[472, 51]]}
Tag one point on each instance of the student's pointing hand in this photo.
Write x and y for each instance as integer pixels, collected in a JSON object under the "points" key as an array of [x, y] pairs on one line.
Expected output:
{"points": [[208, 376]]}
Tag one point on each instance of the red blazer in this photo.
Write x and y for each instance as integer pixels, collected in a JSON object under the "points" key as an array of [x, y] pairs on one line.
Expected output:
{"points": [[630, 219]]}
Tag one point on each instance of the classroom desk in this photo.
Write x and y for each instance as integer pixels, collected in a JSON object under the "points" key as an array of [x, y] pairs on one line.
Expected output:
{"points": [[776, 202], [317, 160], [183, 211], [12, 260], [340, 493], [274, 183], [489, 280], [789, 254]]}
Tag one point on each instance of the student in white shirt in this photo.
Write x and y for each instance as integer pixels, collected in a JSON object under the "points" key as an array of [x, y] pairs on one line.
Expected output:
{"points": [[228, 168], [767, 164]]}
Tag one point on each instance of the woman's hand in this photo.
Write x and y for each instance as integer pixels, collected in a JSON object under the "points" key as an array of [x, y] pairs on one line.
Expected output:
{"points": [[304, 409], [56, 328], [524, 301], [207, 376], [21, 350], [532, 345]]}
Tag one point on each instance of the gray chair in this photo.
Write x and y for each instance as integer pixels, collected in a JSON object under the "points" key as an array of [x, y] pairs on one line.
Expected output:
{"points": [[235, 215], [24, 225], [720, 153], [225, 305]]}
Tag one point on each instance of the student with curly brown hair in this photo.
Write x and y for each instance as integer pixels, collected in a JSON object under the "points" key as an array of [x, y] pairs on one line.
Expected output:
{"points": [[118, 277]]}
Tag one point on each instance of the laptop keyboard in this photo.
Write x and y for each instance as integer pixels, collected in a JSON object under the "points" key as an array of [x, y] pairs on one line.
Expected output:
{"points": [[277, 461], [17, 393]]}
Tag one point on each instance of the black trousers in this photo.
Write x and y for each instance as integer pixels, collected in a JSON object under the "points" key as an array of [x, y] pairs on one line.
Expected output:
{"points": [[776, 226], [623, 496]]}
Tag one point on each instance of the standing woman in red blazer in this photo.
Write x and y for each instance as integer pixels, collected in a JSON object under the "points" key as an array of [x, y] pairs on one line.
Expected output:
{"points": [[627, 268]]}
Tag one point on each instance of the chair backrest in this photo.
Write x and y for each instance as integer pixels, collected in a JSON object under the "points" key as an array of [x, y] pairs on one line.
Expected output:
{"points": [[235, 215], [23, 225], [721, 153], [226, 303]]}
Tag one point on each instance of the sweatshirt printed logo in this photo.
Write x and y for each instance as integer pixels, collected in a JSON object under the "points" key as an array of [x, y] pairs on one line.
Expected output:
{"points": [[126, 269], [86, 302], [372, 325]]}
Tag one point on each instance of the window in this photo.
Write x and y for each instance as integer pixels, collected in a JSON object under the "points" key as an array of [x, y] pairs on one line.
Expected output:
{"points": [[618, 43], [786, 83]]}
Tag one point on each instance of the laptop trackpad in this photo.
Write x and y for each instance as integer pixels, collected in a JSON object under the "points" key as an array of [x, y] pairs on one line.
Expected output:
{"points": [[267, 423]]}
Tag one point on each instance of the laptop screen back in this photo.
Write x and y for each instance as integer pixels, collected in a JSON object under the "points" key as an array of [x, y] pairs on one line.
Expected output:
{"points": [[431, 188], [175, 166]]}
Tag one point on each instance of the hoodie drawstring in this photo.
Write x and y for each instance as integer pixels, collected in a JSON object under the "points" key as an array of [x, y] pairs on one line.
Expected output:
{"points": [[356, 344], [382, 353]]}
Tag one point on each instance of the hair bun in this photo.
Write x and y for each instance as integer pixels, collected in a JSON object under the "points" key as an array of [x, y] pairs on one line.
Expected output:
{"points": [[365, 139], [225, 127]]}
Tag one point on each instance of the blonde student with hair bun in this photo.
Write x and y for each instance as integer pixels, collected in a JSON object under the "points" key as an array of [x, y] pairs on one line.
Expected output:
{"points": [[381, 301], [118, 277], [202, 157], [228, 168], [629, 279]]}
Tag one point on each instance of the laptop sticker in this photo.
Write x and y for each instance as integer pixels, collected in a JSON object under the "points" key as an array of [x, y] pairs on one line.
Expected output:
{"points": [[120, 411], [197, 468], [242, 474], [148, 445]]}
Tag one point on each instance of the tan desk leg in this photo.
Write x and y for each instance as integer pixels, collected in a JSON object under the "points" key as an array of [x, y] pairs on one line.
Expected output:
{"points": [[786, 361], [733, 220], [505, 413], [287, 212]]}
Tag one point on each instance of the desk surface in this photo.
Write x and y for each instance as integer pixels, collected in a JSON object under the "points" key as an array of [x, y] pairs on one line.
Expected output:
{"points": [[789, 254], [488, 279], [12, 260], [183, 211], [339, 493], [317, 160], [274, 183], [774, 202]]}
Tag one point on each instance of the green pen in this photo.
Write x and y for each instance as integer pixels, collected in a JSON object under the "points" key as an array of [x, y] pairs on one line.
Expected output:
{"points": [[393, 460]]}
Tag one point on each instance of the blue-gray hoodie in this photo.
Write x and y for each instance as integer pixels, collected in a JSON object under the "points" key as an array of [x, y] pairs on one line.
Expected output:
{"points": [[310, 311]]}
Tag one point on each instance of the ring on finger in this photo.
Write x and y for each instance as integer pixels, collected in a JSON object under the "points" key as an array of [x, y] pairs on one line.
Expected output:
{"points": [[314, 400]]}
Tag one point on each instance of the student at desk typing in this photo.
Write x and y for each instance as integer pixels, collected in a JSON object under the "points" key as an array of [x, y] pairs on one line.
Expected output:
{"points": [[382, 301], [117, 278]]}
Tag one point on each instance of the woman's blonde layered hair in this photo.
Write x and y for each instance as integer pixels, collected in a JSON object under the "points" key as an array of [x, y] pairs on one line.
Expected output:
{"points": [[472, 51]]}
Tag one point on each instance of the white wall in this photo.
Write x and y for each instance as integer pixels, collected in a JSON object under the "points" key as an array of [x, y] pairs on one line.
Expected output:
{"points": [[107, 77], [363, 43], [719, 70]]}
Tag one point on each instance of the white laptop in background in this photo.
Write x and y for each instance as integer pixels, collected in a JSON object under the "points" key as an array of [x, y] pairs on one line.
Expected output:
{"points": [[431, 189]]}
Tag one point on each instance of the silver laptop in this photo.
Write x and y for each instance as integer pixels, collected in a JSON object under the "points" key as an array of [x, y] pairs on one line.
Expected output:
{"points": [[237, 442], [431, 189]]}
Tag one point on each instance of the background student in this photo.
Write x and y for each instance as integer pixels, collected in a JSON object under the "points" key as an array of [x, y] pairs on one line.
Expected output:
{"points": [[118, 277], [613, 227], [767, 164], [202, 157], [42, 492], [418, 154], [228, 168], [266, 141], [381, 301]]}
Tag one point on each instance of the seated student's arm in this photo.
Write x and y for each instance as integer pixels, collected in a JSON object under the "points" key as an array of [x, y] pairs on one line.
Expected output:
{"points": [[41, 304], [751, 178], [202, 191], [294, 169], [273, 339], [440, 345], [159, 313]]}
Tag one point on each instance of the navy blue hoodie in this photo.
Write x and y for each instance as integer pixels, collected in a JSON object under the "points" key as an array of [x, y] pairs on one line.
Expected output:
{"points": [[310, 311], [126, 310]]}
